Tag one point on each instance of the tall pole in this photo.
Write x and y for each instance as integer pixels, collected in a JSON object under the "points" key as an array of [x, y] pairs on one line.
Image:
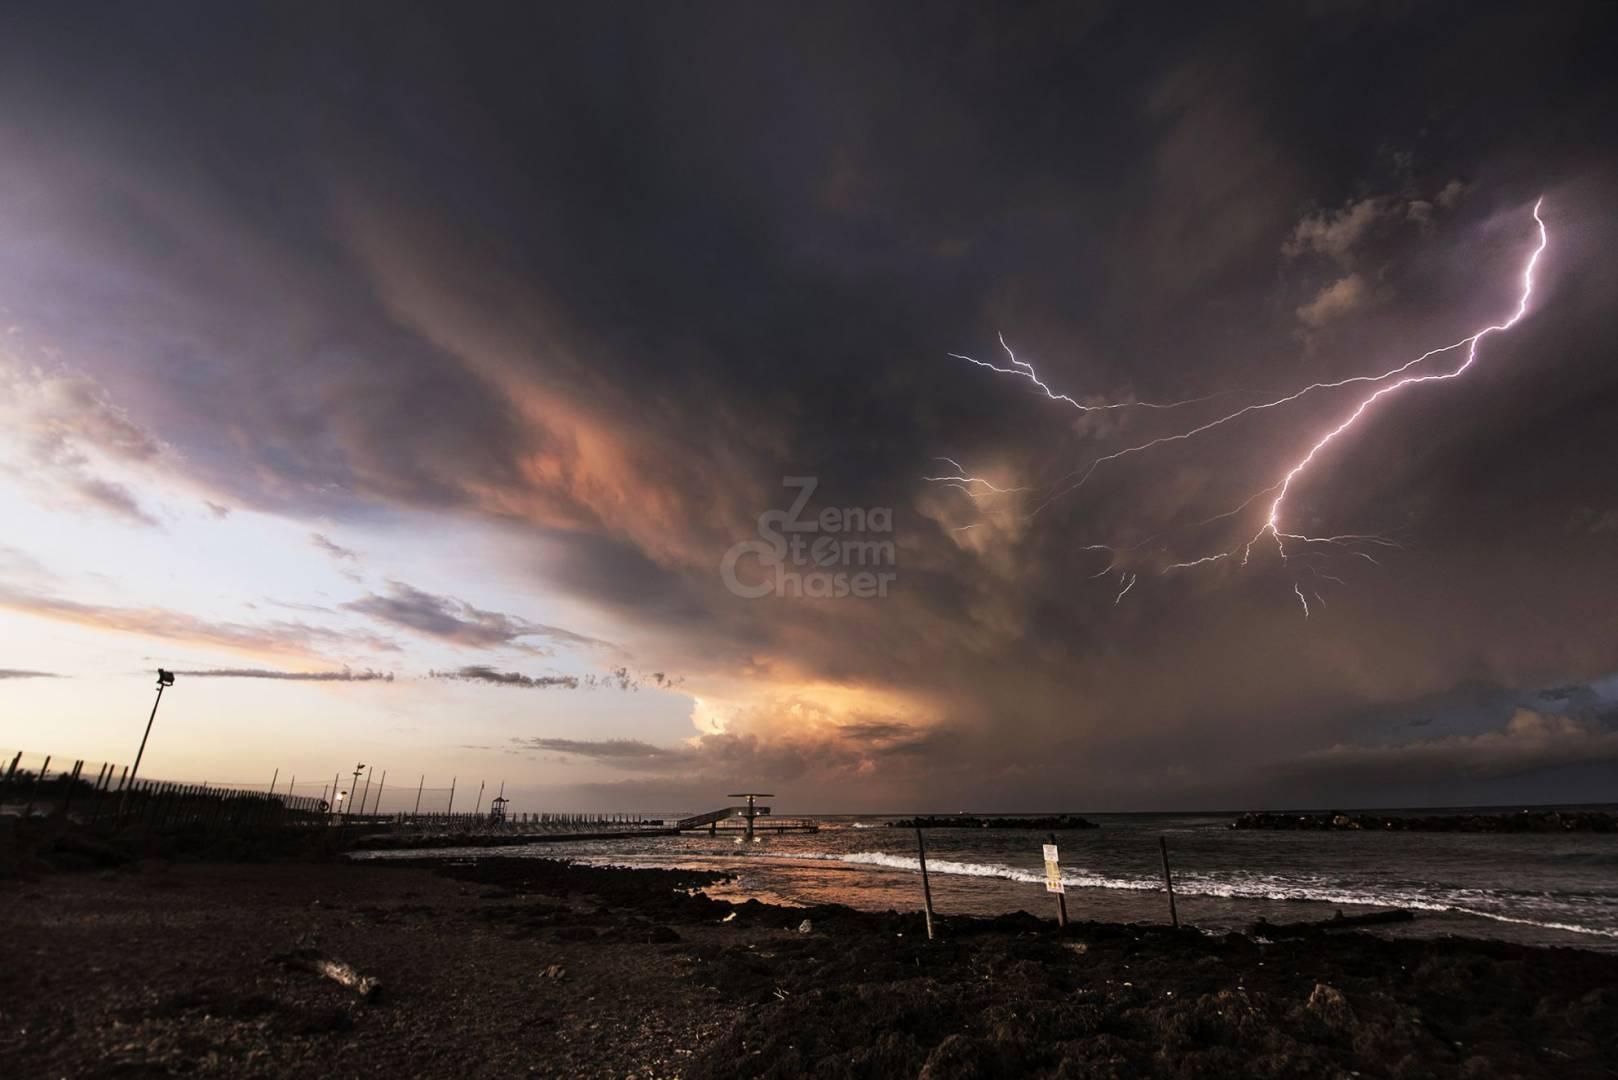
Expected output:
{"points": [[353, 791], [448, 810], [1168, 881], [377, 806], [273, 779], [135, 769], [420, 784], [926, 889], [367, 794], [479, 805]]}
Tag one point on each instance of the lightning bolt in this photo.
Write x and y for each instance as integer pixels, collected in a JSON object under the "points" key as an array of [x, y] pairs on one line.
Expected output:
{"points": [[1025, 370], [1125, 590], [964, 482], [1387, 384]]}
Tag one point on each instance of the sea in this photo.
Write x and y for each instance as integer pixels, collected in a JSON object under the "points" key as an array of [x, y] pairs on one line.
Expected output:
{"points": [[1538, 889]]}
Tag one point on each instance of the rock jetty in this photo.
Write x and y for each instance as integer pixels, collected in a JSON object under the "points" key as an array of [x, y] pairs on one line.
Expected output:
{"points": [[968, 821], [1521, 821]]}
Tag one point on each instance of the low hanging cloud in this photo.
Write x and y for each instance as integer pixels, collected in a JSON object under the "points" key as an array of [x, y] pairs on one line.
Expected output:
{"points": [[608, 749], [1531, 741], [346, 675], [1336, 233], [619, 678], [62, 428], [332, 547], [460, 623], [281, 636], [480, 673], [16, 673], [709, 762], [1334, 301]]}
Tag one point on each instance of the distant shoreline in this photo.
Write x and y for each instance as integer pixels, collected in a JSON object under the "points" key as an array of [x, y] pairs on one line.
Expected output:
{"points": [[1522, 821], [970, 821]]}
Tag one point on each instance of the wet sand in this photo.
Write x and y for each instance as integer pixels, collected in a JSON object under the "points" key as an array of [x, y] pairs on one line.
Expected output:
{"points": [[534, 967]]}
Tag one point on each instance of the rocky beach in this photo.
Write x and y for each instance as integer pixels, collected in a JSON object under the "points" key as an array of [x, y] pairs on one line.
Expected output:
{"points": [[525, 966]]}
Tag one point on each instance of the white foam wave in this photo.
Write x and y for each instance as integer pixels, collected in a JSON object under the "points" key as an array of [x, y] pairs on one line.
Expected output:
{"points": [[1256, 887]]}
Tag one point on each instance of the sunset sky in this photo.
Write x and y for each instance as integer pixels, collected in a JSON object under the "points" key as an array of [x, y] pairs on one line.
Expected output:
{"points": [[402, 376]]}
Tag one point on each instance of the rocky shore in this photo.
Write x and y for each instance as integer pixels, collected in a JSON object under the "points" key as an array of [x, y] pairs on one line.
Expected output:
{"points": [[1523, 821], [968, 821], [520, 966]]}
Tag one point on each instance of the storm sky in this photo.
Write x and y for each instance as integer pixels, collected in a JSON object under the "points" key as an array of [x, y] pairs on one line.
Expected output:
{"points": [[402, 377]]}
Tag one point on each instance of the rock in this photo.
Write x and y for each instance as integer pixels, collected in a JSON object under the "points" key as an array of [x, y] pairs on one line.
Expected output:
{"points": [[1329, 1005], [805, 927]]}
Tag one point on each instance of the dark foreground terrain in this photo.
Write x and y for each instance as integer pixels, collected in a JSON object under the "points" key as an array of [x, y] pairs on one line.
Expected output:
{"points": [[526, 967]]}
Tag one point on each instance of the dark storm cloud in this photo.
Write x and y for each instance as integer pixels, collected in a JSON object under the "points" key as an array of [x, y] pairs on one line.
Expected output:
{"points": [[458, 622], [605, 277]]}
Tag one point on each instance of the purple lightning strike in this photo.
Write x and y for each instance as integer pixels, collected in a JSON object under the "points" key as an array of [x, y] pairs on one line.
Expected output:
{"points": [[1273, 522]]}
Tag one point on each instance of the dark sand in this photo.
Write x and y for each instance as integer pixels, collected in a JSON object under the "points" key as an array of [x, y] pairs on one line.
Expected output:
{"points": [[529, 967]]}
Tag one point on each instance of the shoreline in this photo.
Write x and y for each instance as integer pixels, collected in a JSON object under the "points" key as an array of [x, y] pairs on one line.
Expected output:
{"points": [[1223, 907], [510, 965]]}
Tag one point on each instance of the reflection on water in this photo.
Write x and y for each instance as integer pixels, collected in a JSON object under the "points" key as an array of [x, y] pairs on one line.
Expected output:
{"points": [[1539, 889]]}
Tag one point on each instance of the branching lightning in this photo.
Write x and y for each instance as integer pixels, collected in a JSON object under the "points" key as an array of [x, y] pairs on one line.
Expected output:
{"points": [[1295, 549]]}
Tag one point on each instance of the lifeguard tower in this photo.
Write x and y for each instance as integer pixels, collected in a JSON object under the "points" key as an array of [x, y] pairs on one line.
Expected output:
{"points": [[753, 809]]}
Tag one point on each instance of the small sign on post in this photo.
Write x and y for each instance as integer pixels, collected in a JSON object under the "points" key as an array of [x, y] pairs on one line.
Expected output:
{"points": [[1053, 879]]}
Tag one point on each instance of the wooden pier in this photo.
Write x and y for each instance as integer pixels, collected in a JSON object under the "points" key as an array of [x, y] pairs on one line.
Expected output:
{"points": [[514, 830], [749, 813]]}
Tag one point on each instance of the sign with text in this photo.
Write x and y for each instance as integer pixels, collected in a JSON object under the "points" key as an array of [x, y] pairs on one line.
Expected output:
{"points": [[1053, 872]]}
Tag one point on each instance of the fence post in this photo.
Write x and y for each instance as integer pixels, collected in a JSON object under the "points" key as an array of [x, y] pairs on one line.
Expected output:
{"points": [[69, 780], [926, 889], [1168, 881], [101, 791], [33, 789]]}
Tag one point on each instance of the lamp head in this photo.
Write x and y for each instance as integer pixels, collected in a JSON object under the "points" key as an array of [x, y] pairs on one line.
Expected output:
{"points": [[165, 678]]}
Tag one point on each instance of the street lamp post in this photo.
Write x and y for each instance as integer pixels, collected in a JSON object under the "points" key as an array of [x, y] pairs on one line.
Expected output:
{"points": [[359, 768], [164, 679]]}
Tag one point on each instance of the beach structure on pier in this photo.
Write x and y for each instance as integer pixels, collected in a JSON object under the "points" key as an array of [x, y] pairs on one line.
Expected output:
{"points": [[749, 813]]}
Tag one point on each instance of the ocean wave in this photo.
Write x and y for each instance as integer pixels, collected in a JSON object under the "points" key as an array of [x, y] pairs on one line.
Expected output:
{"points": [[1249, 887]]}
